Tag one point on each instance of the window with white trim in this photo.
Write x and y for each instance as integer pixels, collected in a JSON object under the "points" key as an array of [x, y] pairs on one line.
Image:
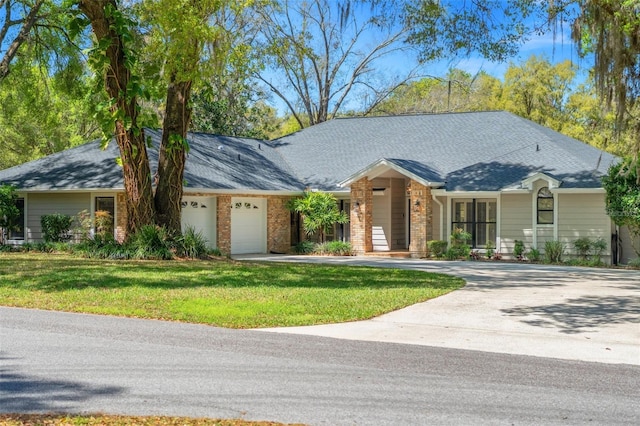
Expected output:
{"points": [[478, 217], [545, 206]]}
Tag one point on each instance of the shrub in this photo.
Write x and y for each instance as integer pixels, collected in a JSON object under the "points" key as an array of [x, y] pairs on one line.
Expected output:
{"points": [[459, 244], [334, 248], [598, 247], [304, 247], [451, 254], [192, 244], [56, 227], [437, 248], [634, 263], [583, 247], [104, 223], [518, 249], [216, 252], [489, 249], [151, 242], [103, 247], [553, 251], [534, 255]]}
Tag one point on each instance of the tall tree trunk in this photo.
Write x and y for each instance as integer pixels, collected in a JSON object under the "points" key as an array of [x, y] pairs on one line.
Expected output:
{"points": [[172, 155], [130, 139]]}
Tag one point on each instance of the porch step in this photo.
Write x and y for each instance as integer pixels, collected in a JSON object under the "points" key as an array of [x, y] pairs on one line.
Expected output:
{"points": [[403, 254]]}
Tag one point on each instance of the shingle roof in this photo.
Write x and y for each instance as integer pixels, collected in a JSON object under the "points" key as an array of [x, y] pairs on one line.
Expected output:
{"points": [[213, 162], [477, 151]]}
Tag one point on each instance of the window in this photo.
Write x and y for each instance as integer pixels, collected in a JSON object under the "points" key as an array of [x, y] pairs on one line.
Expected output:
{"points": [[477, 217], [17, 233], [104, 223], [545, 206]]}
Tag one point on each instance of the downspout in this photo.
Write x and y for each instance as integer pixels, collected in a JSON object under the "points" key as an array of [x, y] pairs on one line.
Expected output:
{"points": [[433, 197]]}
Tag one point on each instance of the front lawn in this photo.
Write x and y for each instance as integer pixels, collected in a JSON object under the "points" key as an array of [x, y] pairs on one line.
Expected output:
{"points": [[218, 292]]}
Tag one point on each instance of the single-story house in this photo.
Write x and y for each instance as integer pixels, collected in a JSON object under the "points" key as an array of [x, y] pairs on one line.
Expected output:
{"points": [[404, 180]]}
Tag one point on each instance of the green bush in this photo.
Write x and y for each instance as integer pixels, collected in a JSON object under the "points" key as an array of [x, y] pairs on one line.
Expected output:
{"points": [[634, 263], [598, 247], [534, 255], [583, 247], [451, 254], [437, 248], [56, 227], [151, 242], [216, 252], [304, 247], [518, 249], [553, 251], [460, 248], [489, 249], [334, 248], [192, 244]]}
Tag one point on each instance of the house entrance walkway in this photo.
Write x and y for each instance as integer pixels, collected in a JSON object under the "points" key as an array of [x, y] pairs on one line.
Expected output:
{"points": [[587, 314]]}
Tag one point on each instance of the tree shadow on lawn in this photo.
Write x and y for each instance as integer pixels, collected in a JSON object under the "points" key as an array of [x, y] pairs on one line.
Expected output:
{"points": [[580, 315], [64, 274], [21, 393]]}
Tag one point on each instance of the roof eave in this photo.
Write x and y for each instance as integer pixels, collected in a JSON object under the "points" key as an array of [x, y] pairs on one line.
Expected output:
{"points": [[378, 167]]}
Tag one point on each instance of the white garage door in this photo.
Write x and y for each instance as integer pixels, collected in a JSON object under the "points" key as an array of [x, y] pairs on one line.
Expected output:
{"points": [[200, 213], [248, 225]]}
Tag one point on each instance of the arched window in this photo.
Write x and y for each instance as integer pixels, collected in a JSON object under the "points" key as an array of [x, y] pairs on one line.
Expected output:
{"points": [[545, 206]]}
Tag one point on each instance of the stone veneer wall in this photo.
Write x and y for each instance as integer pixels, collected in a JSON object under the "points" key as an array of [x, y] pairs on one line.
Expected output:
{"points": [[278, 224], [223, 235], [121, 213], [421, 219], [362, 216]]}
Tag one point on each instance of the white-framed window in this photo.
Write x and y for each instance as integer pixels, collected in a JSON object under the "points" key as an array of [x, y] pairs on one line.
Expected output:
{"points": [[545, 207], [478, 217]]}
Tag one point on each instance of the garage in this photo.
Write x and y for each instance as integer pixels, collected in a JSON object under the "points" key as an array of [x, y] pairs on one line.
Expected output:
{"points": [[248, 225], [200, 213]]}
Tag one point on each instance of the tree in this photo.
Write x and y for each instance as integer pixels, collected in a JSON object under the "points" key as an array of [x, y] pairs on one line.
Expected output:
{"points": [[623, 198], [114, 58], [42, 110], [538, 90], [325, 53], [457, 91], [607, 30], [319, 212], [9, 213], [20, 16]]}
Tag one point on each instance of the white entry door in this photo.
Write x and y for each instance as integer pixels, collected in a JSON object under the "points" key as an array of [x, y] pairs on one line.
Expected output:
{"points": [[248, 225], [200, 213]]}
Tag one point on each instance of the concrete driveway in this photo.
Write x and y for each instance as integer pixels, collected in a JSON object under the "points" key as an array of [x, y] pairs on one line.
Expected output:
{"points": [[587, 314]]}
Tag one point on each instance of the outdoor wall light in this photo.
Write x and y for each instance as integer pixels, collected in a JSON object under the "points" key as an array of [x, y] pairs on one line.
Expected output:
{"points": [[416, 205]]}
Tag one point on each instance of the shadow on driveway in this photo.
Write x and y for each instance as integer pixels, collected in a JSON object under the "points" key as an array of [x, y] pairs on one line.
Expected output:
{"points": [[582, 314]]}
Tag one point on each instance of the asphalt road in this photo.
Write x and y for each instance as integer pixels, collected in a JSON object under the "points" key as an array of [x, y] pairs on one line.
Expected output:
{"points": [[52, 362]]}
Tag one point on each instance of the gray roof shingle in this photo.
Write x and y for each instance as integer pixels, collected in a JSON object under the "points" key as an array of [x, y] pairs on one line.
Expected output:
{"points": [[477, 151]]}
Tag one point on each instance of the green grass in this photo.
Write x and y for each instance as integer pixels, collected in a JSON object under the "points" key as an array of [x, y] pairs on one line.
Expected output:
{"points": [[217, 292]]}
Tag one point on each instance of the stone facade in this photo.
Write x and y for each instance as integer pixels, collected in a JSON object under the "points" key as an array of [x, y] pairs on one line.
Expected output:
{"points": [[361, 216], [223, 236], [278, 225], [121, 217], [421, 219]]}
